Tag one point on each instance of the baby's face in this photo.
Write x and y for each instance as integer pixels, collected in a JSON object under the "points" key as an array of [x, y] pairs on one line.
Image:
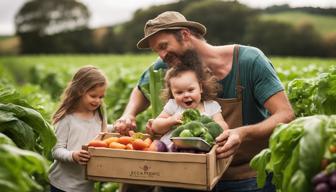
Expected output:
{"points": [[186, 90]]}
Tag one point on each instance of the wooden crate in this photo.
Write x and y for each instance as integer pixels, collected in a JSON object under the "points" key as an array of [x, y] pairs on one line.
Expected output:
{"points": [[170, 169]]}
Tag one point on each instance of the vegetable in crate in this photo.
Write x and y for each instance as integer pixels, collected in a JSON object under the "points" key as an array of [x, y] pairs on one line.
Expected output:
{"points": [[196, 125], [208, 138], [205, 119], [186, 133], [214, 129], [190, 115], [196, 128], [158, 146]]}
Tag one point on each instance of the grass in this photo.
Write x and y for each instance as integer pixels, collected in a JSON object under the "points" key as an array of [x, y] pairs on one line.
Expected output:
{"points": [[323, 24]]}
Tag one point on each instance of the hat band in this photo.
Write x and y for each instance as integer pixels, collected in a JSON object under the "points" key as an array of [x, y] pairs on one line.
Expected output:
{"points": [[155, 28]]}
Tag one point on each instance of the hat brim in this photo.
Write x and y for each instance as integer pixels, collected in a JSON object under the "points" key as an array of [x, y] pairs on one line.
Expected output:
{"points": [[144, 44]]}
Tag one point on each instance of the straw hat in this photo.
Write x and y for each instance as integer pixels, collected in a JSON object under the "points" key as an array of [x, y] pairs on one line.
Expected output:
{"points": [[165, 21]]}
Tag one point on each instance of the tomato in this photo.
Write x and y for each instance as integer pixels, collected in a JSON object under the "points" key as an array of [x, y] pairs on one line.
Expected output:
{"points": [[111, 139], [116, 145], [139, 144], [97, 143], [148, 141], [125, 140]]}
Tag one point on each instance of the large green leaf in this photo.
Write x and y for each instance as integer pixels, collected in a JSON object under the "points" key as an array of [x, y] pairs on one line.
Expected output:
{"points": [[259, 163], [6, 140], [17, 169], [312, 148], [44, 133], [19, 131], [290, 170]]}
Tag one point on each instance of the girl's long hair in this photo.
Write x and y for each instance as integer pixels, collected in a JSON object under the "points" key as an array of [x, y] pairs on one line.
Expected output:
{"points": [[85, 79]]}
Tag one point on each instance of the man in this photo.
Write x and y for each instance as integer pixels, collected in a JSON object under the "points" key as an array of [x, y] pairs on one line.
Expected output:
{"points": [[253, 100]]}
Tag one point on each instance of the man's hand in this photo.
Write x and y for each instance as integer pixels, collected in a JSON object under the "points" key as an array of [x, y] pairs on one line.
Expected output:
{"points": [[124, 124], [81, 157], [228, 143]]}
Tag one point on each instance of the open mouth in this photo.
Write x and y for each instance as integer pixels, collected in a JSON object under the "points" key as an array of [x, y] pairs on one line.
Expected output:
{"points": [[188, 103]]}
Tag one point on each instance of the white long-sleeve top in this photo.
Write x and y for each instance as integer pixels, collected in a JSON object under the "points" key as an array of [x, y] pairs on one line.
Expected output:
{"points": [[72, 132]]}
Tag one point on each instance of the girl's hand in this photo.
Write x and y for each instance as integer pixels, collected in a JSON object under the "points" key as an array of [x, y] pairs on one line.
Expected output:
{"points": [[81, 157]]}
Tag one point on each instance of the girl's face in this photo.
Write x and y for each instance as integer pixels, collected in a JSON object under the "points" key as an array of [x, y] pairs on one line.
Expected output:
{"points": [[92, 99], [186, 90]]}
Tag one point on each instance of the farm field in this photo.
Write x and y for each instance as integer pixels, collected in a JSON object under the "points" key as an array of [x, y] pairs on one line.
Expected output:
{"points": [[50, 73], [36, 82], [118, 65]]}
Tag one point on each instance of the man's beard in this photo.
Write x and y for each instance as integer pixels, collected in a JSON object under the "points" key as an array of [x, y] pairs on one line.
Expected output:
{"points": [[188, 58]]}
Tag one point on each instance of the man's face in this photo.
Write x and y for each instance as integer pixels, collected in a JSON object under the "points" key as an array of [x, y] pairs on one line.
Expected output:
{"points": [[170, 50]]}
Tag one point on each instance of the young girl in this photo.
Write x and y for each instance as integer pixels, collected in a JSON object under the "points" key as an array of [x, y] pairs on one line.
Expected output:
{"points": [[77, 121], [187, 88]]}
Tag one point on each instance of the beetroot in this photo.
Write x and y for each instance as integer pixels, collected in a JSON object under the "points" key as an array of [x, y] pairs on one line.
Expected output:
{"points": [[321, 177], [158, 145]]}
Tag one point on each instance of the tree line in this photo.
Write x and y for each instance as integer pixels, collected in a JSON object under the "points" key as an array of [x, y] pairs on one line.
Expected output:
{"points": [[313, 10], [226, 22]]}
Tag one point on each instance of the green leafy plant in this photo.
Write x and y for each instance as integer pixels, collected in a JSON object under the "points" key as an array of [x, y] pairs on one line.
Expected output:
{"points": [[23, 124], [20, 168], [295, 153], [314, 95]]}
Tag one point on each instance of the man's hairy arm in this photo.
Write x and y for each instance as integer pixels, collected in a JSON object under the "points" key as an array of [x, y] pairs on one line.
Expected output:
{"points": [[136, 104]]}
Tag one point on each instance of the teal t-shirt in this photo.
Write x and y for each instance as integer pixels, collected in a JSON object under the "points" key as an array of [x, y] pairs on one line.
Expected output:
{"points": [[257, 76]]}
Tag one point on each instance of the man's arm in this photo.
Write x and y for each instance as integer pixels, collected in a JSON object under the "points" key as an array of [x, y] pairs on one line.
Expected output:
{"points": [[136, 104], [281, 112]]}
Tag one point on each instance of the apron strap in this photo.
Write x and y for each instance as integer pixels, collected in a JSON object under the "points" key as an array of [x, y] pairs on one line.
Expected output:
{"points": [[239, 88]]}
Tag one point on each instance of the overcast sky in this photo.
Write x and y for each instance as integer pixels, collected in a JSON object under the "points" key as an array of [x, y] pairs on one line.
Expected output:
{"points": [[109, 12]]}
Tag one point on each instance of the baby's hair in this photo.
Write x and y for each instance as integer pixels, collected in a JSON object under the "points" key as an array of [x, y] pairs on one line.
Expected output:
{"points": [[85, 79], [206, 79]]}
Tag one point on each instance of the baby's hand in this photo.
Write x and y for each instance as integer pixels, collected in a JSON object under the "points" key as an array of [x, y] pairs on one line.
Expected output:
{"points": [[177, 118], [81, 157], [149, 127]]}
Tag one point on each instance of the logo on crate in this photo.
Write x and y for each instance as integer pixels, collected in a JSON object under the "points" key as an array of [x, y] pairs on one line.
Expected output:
{"points": [[145, 168], [144, 172]]}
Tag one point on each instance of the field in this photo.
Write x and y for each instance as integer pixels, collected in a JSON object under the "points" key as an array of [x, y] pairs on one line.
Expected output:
{"points": [[36, 82], [323, 24], [113, 65], [122, 65]]}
